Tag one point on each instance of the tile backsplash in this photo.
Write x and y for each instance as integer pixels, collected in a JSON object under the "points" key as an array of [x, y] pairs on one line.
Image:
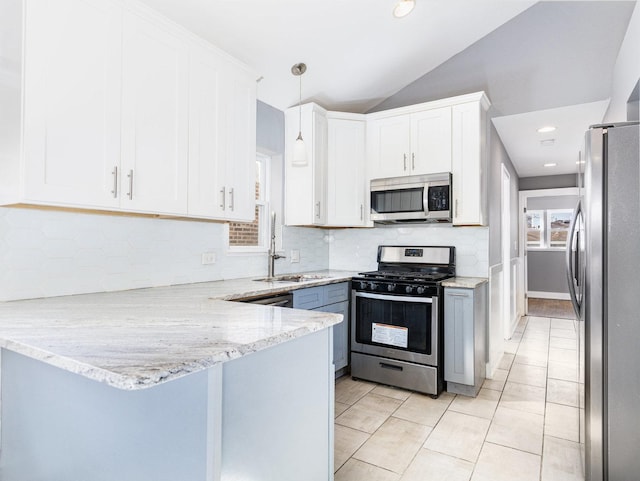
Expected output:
{"points": [[356, 249], [47, 253], [50, 253]]}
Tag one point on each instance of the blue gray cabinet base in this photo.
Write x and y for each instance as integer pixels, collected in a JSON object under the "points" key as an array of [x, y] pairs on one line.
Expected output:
{"points": [[261, 416], [330, 298], [465, 312]]}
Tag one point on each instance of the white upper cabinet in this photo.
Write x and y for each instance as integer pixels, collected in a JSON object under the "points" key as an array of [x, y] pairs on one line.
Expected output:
{"points": [[72, 80], [222, 145], [431, 141], [389, 143], [345, 170], [330, 190], [119, 104], [469, 163], [206, 198], [237, 136], [155, 118], [409, 144], [305, 185]]}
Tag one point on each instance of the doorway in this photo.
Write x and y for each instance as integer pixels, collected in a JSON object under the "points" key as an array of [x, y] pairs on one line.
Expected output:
{"points": [[508, 294]]}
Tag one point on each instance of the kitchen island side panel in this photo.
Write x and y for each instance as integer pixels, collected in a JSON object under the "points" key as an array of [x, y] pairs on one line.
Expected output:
{"points": [[59, 426]]}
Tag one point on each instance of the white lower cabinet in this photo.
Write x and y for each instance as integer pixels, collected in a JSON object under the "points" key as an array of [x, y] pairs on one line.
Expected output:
{"points": [[330, 298], [464, 339]]}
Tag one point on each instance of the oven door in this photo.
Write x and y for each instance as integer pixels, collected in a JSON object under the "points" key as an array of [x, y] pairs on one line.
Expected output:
{"points": [[395, 326]]}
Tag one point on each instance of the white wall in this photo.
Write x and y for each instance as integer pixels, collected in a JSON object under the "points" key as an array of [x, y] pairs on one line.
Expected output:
{"points": [[626, 71], [356, 249], [51, 253]]}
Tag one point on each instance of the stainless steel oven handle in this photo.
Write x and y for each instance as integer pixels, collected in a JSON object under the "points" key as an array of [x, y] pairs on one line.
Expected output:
{"points": [[385, 297], [434, 328]]}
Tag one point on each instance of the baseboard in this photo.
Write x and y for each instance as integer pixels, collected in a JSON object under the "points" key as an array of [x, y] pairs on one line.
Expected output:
{"points": [[548, 295]]}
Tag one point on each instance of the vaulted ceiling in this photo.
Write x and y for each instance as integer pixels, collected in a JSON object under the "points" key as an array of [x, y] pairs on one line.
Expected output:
{"points": [[530, 57]]}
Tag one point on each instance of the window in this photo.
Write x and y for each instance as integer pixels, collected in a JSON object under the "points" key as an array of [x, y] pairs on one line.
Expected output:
{"points": [[548, 229], [535, 228], [558, 223], [253, 236]]}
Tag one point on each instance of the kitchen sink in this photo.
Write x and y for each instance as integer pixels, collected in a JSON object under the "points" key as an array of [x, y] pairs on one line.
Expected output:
{"points": [[292, 278]]}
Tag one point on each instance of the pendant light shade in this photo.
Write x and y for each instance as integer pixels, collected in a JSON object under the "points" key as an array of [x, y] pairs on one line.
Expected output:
{"points": [[299, 150]]}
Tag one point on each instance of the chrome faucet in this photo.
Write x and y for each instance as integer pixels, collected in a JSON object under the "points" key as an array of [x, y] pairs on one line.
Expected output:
{"points": [[272, 248]]}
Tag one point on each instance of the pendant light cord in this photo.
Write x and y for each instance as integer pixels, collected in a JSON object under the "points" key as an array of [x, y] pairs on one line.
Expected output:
{"points": [[300, 110]]}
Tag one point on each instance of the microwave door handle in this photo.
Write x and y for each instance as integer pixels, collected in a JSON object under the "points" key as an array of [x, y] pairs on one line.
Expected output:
{"points": [[425, 199]]}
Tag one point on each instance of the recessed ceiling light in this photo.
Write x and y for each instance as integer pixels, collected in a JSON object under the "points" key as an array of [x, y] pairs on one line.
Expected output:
{"points": [[547, 142], [546, 128], [403, 8], [550, 164]]}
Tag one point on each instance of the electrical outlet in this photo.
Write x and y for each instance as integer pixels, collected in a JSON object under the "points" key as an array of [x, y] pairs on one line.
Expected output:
{"points": [[208, 258], [295, 256]]}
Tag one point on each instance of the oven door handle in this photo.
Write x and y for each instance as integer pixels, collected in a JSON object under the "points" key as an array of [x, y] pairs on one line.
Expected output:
{"points": [[434, 328], [385, 297]]}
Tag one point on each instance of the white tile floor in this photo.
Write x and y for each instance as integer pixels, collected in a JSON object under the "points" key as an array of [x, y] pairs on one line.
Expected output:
{"points": [[523, 426]]}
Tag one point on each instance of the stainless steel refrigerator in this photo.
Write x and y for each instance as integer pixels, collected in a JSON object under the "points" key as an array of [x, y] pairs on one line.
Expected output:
{"points": [[603, 265]]}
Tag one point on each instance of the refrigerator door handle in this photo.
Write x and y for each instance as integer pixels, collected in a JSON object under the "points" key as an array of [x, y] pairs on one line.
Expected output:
{"points": [[572, 259]]}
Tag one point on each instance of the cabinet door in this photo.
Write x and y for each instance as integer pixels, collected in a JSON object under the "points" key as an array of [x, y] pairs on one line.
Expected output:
{"points": [[320, 141], [340, 333], [431, 141], [155, 118], [238, 141], [305, 185], [206, 170], [459, 336], [72, 102], [346, 182], [467, 171], [389, 146]]}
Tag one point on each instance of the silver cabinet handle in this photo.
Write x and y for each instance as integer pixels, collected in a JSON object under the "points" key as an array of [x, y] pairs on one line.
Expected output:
{"points": [[317, 210], [130, 176], [361, 212], [451, 294], [231, 196], [405, 161], [114, 172], [223, 191], [413, 161], [456, 208]]}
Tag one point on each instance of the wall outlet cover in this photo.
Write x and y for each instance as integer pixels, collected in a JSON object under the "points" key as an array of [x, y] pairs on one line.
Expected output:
{"points": [[208, 258], [295, 255]]}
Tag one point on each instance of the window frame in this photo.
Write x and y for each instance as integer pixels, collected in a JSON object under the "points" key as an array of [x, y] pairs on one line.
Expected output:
{"points": [[542, 244], [263, 205]]}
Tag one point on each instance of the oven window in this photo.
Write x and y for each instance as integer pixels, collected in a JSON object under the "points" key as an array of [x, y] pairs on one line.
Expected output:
{"points": [[414, 316], [438, 198], [401, 200]]}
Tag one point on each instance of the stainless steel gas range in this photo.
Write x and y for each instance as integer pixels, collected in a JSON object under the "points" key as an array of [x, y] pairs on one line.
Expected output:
{"points": [[397, 315]]}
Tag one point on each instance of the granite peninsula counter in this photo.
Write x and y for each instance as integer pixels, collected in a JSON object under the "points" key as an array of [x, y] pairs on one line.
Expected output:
{"points": [[223, 415]]}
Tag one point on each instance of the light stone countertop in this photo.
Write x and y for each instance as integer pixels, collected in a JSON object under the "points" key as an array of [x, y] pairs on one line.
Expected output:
{"points": [[139, 338], [465, 282]]}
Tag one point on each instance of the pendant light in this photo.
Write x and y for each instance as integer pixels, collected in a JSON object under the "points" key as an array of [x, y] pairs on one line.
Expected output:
{"points": [[299, 150]]}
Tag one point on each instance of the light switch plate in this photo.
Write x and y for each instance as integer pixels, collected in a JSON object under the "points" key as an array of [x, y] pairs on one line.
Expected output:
{"points": [[295, 256]]}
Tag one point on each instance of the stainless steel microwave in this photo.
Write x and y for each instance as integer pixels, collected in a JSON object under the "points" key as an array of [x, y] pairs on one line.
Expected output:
{"points": [[415, 198]]}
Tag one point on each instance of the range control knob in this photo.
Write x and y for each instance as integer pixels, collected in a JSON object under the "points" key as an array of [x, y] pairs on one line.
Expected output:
{"points": [[409, 289], [373, 286], [420, 290], [362, 285], [391, 287]]}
